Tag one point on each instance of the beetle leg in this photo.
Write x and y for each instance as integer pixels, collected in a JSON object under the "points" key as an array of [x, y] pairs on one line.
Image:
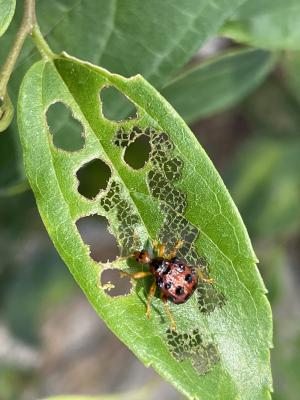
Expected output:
{"points": [[160, 248], [204, 277], [149, 298], [168, 312], [136, 275], [121, 259], [175, 249]]}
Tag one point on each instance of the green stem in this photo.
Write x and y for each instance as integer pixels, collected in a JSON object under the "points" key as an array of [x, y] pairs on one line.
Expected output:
{"points": [[41, 43], [28, 26]]}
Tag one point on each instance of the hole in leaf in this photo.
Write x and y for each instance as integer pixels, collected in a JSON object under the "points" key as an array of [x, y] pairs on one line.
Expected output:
{"points": [[113, 284], [67, 131], [94, 232], [116, 106], [138, 153], [93, 177]]}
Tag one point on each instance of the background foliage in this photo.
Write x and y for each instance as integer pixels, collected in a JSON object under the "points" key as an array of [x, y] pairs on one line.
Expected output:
{"points": [[243, 105]]}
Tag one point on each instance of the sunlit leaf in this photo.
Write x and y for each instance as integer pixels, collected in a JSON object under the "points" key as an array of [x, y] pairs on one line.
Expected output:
{"points": [[220, 349]]}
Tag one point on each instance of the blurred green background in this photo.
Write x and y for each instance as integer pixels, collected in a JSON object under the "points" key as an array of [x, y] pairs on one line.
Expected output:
{"points": [[243, 104]]}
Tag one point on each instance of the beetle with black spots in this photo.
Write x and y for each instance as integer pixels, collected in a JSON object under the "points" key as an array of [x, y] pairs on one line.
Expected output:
{"points": [[175, 280]]}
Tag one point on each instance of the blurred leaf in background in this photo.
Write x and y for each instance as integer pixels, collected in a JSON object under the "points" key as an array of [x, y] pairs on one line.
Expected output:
{"points": [[270, 24], [217, 84]]}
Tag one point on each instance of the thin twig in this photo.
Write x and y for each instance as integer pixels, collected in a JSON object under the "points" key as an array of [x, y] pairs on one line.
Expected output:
{"points": [[41, 43], [27, 24]]}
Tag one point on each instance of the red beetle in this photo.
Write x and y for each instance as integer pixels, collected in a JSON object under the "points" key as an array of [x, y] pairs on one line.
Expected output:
{"points": [[175, 280]]}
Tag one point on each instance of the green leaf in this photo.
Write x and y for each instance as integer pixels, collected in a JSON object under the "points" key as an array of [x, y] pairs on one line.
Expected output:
{"points": [[220, 349], [270, 24], [218, 84], [7, 10]]}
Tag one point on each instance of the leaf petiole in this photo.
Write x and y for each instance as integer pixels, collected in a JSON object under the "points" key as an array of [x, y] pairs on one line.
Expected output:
{"points": [[41, 43]]}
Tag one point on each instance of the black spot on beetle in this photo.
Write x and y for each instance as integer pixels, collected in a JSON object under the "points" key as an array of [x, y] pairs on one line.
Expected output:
{"points": [[188, 278], [179, 290], [168, 285], [166, 270]]}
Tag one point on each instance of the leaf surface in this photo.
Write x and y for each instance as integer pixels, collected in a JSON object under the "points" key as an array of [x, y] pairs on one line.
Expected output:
{"points": [[218, 84], [270, 24], [7, 10], [220, 349]]}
